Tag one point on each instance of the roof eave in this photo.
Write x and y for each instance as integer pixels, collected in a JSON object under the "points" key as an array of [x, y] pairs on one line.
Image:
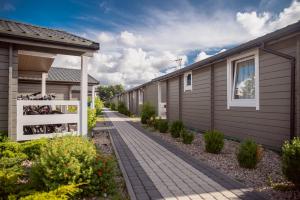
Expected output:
{"points": [[93, 47]]}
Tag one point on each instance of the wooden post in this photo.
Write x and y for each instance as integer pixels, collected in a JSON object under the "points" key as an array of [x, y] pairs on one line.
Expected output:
{"points": [[44, 77], [83, 96], [93, 97]]}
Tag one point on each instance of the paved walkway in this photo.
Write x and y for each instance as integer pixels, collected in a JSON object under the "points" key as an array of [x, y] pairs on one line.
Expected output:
{"points": [[158, 172]]}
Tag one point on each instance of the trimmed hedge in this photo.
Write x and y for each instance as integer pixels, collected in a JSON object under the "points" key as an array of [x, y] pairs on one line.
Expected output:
{"points": [[248, 154], [163, 125], [176, 128], [187, 137], [214, 141]]}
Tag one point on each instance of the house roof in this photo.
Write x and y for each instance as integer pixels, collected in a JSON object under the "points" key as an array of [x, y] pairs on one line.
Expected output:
{"points": [[19, 30], [288, 30], [68, 75], [61, 75]]}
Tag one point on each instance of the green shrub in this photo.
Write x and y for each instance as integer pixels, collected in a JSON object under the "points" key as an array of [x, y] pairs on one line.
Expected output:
{"points": [[147, 113], [102, 180], [176, 128], [9, 177], [113, 106], [247, 154], [33, 148], [72, 109], [163, 125], [61, 193], [11, 158], [214, 141], [291, 160], [107, 104], [123, 109], [63, 161], [11, 153], [156, 123], [98, 106], [187, 137], [92, 118], [3, 136]]}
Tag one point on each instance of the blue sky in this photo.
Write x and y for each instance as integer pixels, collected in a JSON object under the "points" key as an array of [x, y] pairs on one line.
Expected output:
{"points": [[140, 39]]}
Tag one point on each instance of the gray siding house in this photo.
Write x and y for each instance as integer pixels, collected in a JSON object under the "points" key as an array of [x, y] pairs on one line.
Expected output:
{"points": [[29, 51], [249, 91]]}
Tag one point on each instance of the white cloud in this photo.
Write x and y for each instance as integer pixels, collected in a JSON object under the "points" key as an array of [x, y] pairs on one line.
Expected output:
{"points": [[128, 39], [258, 24], [201, 56], [105, 37], [136, 54]]}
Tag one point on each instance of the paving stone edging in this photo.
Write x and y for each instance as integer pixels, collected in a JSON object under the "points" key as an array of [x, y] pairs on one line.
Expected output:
{"points": [[138, 184], [125, 176]]}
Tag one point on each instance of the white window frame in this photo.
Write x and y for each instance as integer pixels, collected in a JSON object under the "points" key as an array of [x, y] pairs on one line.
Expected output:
{"points": [[188, 87], [231, 102]]}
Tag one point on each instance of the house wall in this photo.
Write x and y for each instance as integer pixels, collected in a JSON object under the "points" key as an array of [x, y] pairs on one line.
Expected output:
{"points": [[150, 95], [3, 87], [163, 88], [8, 89], [173, 99], [60, 91], [134, 102], [270, 124], [196, 105]]}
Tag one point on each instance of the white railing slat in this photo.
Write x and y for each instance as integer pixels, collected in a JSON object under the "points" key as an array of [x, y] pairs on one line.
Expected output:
{"points": [[45, 119]]}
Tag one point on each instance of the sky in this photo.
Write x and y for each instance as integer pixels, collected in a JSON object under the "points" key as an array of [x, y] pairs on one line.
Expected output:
{"points": [[141, 39]]}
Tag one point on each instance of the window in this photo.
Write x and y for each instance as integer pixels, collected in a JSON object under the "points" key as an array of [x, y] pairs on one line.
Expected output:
{"points": [[243, 80], [188, 81]]}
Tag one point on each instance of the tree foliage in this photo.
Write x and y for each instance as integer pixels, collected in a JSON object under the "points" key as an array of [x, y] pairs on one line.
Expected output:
{"points": [[107, 92]]}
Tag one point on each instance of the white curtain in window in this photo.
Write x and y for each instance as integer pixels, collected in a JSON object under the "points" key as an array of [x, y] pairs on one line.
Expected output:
{"points": [[244, 86]]}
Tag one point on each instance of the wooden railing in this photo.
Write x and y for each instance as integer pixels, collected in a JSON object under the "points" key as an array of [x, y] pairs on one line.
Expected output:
{"points": [[43, 120]]}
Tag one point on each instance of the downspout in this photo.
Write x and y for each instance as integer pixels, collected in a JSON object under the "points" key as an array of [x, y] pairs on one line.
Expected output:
{"points": [[293, 86]]}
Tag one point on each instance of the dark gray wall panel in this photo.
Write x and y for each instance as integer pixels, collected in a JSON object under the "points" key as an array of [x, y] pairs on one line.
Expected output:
{"points": [[173, 107], [196, 103]]}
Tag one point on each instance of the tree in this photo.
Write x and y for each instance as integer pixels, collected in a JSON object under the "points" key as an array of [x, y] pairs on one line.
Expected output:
{"points": [[107, 92]]}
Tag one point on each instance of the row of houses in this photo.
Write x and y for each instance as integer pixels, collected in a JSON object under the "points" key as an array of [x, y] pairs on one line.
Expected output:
{"points": [[249, 91]]}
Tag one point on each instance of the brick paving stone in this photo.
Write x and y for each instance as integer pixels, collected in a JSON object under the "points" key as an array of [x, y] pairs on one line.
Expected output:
{"points": [[165, 173]]}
